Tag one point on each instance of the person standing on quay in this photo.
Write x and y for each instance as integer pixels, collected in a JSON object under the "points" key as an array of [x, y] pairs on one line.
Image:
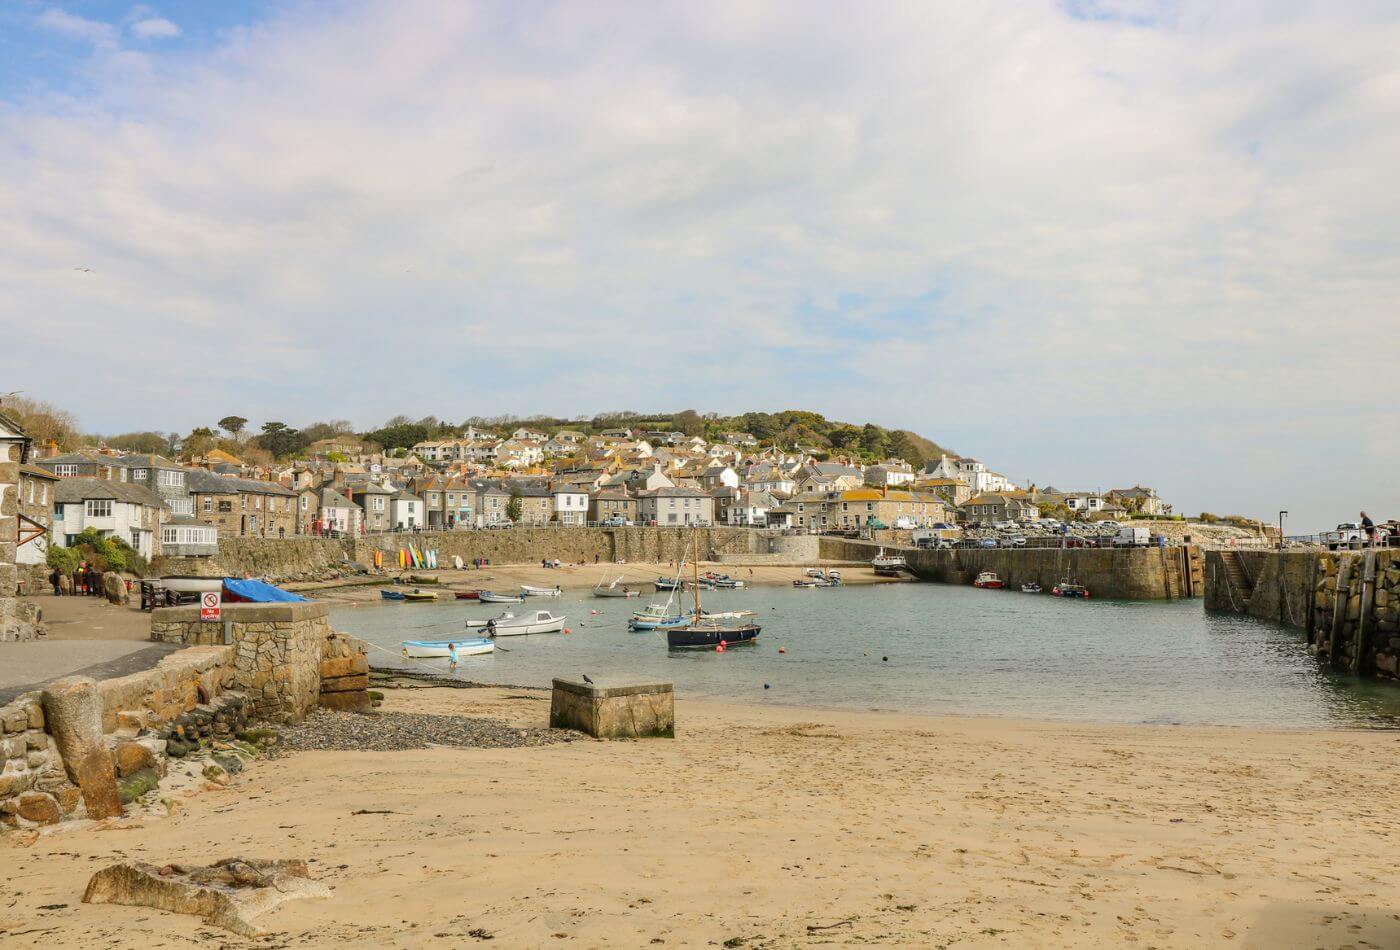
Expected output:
{"points": [[1368, 526]]}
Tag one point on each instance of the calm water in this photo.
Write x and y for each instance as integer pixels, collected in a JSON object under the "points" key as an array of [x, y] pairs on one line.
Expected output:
{"points": [[951, 650]]}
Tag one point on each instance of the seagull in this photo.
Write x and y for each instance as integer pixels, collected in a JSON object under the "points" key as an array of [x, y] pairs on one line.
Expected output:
{"points": [[85, 270], [587, 680]]}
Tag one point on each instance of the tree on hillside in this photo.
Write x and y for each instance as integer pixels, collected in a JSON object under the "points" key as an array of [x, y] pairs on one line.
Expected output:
{"points": [[280, 439], [199, 441], [689, 422], [902, 445], [874, 441], [144, 442], [42, 421], [399, 436], [514, 507], [233, 425]]}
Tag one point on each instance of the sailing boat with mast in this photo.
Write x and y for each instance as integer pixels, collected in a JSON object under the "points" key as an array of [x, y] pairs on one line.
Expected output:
{"points": [[707, 632], [613, 590]]}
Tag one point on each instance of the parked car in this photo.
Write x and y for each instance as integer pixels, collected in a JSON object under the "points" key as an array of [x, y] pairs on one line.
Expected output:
{"points": [[1014, 541], [987, 543]]}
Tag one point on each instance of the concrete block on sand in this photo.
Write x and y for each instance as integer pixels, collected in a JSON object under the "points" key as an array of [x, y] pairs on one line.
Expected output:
{"points": [[229, 894], [614, 708]]}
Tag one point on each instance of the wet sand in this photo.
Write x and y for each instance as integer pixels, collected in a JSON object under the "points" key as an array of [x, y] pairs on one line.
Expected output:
{"points": [[758, 824]]}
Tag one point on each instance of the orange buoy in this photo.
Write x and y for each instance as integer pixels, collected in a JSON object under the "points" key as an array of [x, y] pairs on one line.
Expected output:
{"points": [[782, 649], [567, 630], [719, 648]]}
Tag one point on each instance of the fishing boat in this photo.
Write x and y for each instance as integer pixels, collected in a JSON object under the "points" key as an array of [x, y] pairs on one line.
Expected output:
{"points": [[1031, 588], [1068, 588], [532, 621], [669, 583], [477, 623], [527, 591], [989, 581], [888, 565], [807, 582], [708, 632], [437, 649], [724, 582], [467, 595], [391, 594], [419, 595], [655, 617], [490, 597]]}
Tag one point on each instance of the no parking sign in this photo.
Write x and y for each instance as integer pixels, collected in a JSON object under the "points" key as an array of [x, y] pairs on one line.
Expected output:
{"points": [[210, 603]]}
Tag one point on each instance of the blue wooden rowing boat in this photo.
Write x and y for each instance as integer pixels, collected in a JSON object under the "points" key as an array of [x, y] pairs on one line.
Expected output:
{"points": [[391, 594]]}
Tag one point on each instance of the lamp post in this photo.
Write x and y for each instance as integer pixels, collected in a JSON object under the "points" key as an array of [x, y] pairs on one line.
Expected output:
{"points": [[1281, 516]]}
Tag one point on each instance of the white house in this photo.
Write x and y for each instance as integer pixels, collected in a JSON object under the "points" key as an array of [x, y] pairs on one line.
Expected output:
{"points": [[675, 506], [719, 476], [570, 503], [131, 513], [528, 435], [751, 509], [889, 474], [405, 511], [337, 513]]}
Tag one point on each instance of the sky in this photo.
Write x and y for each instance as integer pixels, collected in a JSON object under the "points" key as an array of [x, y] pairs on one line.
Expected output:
{"points": [[1093, 243]]}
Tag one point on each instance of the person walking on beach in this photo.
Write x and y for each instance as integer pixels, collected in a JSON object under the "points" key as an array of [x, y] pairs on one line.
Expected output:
{"points": [[452, 658]]}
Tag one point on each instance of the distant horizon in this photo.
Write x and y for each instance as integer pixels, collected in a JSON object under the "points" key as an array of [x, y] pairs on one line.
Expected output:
{"points": [[1103, 241]]}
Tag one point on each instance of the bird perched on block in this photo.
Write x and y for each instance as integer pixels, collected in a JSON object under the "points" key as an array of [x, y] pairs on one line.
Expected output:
{"points": [[587, 680]]}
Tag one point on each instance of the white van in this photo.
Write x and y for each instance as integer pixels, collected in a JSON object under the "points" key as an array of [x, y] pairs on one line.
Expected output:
{"points": [[1131, 537]]}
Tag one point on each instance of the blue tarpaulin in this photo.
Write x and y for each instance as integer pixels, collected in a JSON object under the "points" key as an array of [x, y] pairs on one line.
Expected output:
{"points": [[256, 592]]}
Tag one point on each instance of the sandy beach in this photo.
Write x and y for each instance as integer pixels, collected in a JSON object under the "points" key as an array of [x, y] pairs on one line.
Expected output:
{"points": [[780, 828], [638, 575]]}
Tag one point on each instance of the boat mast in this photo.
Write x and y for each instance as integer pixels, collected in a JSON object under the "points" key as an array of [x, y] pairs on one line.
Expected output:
{"points": [[695, 571]]}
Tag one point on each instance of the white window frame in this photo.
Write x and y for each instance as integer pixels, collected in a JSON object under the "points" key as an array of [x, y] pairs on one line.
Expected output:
{"points": [[97, 508]]}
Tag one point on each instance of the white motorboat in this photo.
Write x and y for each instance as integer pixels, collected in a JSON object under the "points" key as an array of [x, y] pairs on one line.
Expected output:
{"points": [[491, 597], [528, 591], [533, 621], [439, 649]]}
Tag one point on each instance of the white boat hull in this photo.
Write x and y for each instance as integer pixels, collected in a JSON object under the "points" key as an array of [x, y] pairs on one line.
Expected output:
{"points": [[542, 626], [437, 650], [539, 591]]}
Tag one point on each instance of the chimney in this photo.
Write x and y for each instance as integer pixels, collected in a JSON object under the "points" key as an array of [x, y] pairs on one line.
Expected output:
{"points": [[51, 448]]}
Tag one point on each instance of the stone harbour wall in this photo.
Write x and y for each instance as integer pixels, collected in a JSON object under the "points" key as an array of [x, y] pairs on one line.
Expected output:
{"points": [[306, 558], [277, 650], [1346, 602], [137, 721], [344, 673], [1119, 573]]}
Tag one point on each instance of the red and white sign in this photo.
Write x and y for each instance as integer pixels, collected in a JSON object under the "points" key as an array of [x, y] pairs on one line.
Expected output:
{"points": [[210, 603]]}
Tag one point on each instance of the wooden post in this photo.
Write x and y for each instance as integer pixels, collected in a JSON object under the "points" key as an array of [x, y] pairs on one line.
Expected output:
{"points": [[1368, 588], [1339, 606]]}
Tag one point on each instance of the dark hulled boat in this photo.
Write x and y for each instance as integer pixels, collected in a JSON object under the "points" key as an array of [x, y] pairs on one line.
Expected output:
{"points": [[707, 636]]}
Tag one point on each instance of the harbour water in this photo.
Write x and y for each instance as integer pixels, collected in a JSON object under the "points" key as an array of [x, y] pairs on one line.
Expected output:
{"points": [[930, 648]]}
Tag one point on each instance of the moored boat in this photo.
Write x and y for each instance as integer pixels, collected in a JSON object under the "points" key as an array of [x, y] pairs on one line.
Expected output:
{"points": [[467, 595], [528, 591], [533, 621], [476, 623], [655, 617], [419, 595], [704, 632], [491, 597], [888, 565], [669, 583], [1067, 588], [989, 580], [438, 649], [1031, 588], [391, 594]]}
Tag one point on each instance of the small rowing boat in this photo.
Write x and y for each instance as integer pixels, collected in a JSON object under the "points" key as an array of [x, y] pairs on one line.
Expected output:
{"points": [[490, 597], [467, 595], [438, 649], [528, 591], [419, 595], [391, 594]]}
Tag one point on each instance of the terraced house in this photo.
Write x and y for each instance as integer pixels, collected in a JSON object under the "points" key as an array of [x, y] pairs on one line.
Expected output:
{"points": [[242, 507], [866, 507]]}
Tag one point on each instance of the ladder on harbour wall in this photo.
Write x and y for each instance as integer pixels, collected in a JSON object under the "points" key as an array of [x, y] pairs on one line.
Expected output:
{"points": [[1238, 578]]}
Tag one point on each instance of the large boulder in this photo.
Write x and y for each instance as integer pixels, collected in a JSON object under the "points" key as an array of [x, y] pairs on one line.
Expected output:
{"points": [[114, 588], [73, 713]]}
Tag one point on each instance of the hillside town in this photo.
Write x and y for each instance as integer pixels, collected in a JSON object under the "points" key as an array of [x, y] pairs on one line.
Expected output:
{"points": [[343, 485]]}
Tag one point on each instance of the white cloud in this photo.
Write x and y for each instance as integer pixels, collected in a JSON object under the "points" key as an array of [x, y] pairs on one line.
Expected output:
{"points": [[155, 28], [55, 20], [984, 222]]}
